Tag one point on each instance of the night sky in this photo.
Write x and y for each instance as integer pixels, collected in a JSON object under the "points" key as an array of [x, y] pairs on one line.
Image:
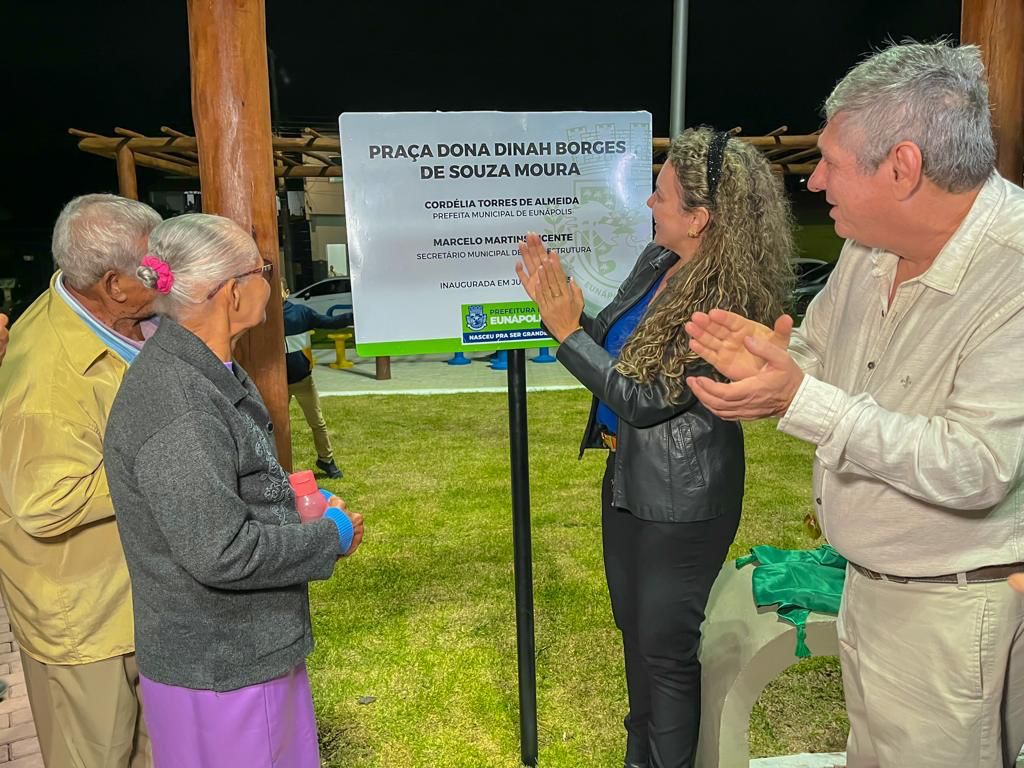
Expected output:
{"points": [[99, 65]]}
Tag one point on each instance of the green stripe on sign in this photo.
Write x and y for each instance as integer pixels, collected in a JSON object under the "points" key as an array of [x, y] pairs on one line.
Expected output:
{"points": [[441, 346]]}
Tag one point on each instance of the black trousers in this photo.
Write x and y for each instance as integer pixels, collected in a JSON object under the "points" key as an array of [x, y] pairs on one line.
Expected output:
{"points": [[659, 577]]}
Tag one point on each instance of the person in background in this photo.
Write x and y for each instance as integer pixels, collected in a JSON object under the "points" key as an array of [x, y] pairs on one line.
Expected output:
{"points": [[673, 485], [62, 569], [905, 376], [299, 320], [218, 558]]}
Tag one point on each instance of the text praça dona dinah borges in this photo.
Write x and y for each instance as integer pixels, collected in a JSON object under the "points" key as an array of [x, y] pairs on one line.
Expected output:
{"points": [[496, 170]]}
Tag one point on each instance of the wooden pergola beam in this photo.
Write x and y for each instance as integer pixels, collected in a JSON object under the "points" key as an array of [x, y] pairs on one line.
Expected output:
{"points": [[156, 153], [189, 143], [796, 169], [322, 158], [84, 134], [785, 159], [332, 145], [293, 169], [178, 158], [661, 144], [310, 171], [997, 26], [127, 183], [148, 161], [171, 132]]}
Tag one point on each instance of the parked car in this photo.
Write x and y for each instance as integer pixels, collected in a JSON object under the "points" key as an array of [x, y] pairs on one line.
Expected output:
{"points": [[809, 283], [328, 297], [802, 266]]}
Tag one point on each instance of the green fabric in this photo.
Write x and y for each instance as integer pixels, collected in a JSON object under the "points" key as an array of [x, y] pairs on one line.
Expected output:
{"points": [[798, 581]]}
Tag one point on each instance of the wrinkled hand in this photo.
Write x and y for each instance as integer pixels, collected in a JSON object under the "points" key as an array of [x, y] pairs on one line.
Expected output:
{"points": [[559, 300], [1017, 581], [768, 392], [357, 523], [718, 338], [4, 336]]}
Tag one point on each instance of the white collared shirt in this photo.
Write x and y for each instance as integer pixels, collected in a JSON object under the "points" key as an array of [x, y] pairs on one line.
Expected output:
{"points": [[917, 410]]}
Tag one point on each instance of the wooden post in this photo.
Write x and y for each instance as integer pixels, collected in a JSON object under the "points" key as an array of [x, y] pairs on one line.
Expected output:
{"points": [[127, 185], [998, 27], [383, 366], [231, 112]]}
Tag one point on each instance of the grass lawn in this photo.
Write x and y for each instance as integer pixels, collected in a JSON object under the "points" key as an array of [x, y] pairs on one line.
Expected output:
{"points": [[422, 618], [818, 241]]}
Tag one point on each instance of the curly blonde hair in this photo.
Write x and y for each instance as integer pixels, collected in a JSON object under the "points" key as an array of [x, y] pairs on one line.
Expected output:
{"points": [[742, 264]]}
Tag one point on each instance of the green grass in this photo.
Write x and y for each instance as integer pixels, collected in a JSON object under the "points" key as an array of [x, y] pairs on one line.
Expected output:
{"points": [[818, 241], [422, 618], [320, 340]]}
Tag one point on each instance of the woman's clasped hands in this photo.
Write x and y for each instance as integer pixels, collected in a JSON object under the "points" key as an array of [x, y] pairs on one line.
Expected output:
{"points": [[559, 299]]}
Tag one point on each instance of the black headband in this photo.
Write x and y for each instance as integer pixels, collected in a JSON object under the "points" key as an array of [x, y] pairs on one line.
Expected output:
{"points": [[716, 152]]}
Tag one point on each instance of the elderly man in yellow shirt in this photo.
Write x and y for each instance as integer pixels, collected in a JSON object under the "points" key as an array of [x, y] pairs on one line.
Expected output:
{"points": [[62, 569]]}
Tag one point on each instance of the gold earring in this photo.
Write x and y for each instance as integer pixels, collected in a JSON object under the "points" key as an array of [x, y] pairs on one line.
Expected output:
{"points": [[692, 233]]}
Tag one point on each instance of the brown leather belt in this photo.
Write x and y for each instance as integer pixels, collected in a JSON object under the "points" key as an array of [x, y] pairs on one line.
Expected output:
{"points": [[609, 441], [985, 573]]}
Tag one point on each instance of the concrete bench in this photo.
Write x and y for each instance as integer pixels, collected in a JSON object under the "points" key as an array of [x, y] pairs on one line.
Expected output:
{"points": [[744, 648]]}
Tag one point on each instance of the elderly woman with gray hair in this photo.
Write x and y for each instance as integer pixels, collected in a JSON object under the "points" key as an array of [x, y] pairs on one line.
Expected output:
{"points": [[218, 559]]}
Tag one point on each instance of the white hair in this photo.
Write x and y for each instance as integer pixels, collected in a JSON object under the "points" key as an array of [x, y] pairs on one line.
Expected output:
{"points": [[95, 234], [202, 251], [932, 94]]}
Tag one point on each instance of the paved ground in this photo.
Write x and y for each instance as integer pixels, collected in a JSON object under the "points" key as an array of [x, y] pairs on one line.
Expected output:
{"points": [[430, 374], [19, 747]]}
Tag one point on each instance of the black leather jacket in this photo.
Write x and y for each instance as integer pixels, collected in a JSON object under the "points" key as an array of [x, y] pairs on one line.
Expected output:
{"points": [[675, 462]]}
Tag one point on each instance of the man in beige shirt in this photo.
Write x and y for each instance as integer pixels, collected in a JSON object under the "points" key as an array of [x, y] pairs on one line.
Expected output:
{"points": [[906, 375], [62, 569]]}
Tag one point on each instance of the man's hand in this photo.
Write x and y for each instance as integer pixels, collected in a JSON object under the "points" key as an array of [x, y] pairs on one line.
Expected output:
{"points": [[1017, 581], [4, 336], [357, 523], [768, 392], [718, 337]]}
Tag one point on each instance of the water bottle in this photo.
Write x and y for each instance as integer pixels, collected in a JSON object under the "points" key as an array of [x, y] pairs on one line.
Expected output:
{"points": [[309, 502]]}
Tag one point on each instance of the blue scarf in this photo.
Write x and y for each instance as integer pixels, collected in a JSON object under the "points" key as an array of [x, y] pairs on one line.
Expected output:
{"points": [[116, 343]]}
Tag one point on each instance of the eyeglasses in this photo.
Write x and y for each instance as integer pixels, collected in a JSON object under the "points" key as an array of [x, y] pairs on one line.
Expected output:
{"points": [[266, 270]]}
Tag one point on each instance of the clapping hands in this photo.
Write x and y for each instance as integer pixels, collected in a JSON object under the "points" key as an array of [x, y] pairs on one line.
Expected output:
{"points": [[559, 300], [764, 378]]}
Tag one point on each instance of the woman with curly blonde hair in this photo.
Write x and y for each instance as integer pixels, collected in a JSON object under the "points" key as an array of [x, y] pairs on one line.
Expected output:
{"points": [[673, 485]]}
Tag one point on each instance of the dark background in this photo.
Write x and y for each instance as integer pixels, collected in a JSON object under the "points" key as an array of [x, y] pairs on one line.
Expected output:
{"points": [[98, 65]]}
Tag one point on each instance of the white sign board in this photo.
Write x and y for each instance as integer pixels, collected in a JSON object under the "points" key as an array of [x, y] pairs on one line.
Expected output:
{"points": [[435, 203]]}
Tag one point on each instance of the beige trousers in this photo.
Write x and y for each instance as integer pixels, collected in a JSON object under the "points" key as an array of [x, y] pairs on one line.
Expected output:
{"points": [[309, 401], [933, 674], [88, 715]]}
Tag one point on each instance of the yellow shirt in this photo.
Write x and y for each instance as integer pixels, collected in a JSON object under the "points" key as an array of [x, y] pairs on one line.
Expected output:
{"points": [[62, 569]]}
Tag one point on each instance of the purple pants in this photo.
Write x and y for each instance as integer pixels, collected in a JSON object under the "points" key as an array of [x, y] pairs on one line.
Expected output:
{"points": [[270, 725]]}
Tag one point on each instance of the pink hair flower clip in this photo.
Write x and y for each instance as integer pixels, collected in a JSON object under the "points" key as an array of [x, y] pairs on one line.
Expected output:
{"points": [[164, 276]]}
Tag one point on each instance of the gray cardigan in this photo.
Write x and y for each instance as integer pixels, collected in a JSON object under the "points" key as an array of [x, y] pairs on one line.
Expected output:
{"points": [[218, 560]]}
